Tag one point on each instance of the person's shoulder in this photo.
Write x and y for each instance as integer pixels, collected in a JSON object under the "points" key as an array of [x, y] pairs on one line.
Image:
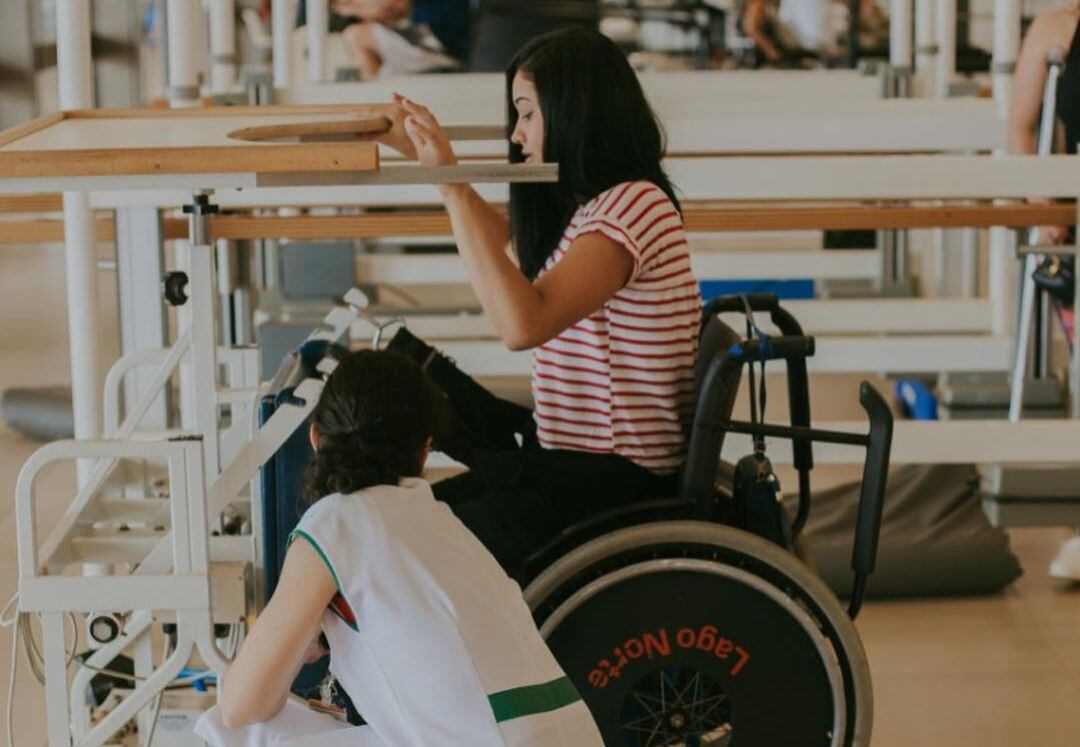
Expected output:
{"points": [[328, 506], [354, 505], [395, 497], [624, 197]]}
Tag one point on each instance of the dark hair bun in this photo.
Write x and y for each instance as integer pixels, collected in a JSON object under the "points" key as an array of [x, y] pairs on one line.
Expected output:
{"points": [[373, 420]]}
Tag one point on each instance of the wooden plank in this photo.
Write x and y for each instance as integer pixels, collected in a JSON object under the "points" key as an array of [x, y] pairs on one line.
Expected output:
{"points": [[759, 219], [339, 130], [31, 203], [239, 227], [37, 124], [861, 218], [200, 160], [43, 231]]}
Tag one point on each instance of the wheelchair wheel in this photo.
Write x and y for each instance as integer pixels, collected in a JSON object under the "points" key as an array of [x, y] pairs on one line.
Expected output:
{"points": [[689, 633]]}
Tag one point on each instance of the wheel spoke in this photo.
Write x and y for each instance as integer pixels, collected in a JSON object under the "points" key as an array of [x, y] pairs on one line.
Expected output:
{"points": [[720, 699], [643, 704], [678, 696], [663, 689], [686, 697], [637, 723]]}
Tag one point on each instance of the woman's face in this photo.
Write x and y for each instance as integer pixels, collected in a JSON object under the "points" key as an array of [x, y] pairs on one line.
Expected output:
{"points": [[529, 131]]}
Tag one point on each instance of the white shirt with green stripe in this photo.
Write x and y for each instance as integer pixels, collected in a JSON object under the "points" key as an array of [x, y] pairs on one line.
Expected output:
{"points": [[440, 647]]}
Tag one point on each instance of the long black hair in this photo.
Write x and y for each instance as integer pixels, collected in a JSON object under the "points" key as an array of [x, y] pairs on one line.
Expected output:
{"points": [[372, 421], [598, 127]]}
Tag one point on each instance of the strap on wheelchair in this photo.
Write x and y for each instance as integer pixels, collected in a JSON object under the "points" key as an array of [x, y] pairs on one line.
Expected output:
{"points": [[765, 351]]}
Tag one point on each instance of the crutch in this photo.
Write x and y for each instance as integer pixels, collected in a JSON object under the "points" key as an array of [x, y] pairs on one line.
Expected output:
{"points": [[1055, 62]]}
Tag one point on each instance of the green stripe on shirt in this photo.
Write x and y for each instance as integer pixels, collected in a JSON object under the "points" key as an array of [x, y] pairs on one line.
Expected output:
{"points": [[533, 699], [311, 541]]}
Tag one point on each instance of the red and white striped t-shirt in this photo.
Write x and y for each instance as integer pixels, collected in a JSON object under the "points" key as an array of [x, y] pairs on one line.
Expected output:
{"points": [[622, 379]]}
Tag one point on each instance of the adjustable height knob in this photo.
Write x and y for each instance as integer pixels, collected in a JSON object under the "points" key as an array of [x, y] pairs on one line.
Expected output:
{"points": [[174, 288], [200, 205]]}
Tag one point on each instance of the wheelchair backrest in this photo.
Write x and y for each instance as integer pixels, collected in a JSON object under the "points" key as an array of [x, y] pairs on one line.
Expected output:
{"points": [[717, 389]]}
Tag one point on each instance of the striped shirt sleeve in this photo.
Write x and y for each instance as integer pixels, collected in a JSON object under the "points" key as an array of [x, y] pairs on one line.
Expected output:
{"points": [[635, 215]]}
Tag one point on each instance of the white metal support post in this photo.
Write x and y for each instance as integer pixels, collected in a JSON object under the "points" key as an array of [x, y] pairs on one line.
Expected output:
{"points": [[1030, 298], [927, 51], [894, 244], [140, 261], [946, 47], [222, 46], [201, 392], [226, 283], [925, 46], [281, 28], [56, 694], [946, 71], [142, 655], [183, 18], [900, 43], [74, 67], [1006, 49], [318, 22]]}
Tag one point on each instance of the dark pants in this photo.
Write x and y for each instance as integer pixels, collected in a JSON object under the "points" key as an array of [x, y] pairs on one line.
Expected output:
{"points": [[517, 495]]}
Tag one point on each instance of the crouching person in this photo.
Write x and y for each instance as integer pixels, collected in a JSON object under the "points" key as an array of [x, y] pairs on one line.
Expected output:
{"points": [[426, 633]]}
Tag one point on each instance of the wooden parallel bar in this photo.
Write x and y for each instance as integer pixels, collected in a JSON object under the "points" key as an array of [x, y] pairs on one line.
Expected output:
{"points": [[17, 232], [238, 227], [760, 219], [859, 218], [31, 203]]}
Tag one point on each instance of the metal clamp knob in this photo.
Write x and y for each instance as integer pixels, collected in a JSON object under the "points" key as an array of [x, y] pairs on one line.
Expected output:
{"points": [[174, 288]]}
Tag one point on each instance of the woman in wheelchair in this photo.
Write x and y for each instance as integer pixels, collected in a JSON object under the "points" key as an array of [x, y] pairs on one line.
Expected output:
{"points": [[593, 275], [427, 634]]}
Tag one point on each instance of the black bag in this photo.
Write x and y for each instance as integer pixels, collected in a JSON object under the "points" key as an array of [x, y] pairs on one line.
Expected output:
{"points": [[756, 497], [1057, 276]]}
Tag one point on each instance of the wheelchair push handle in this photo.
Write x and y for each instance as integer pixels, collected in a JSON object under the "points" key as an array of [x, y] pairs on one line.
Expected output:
{"points": [[872, 492], [798, 383], [759, 302], [772, 348]]}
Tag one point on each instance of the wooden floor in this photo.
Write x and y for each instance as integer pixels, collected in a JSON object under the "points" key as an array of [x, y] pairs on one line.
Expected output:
{"points": [[992, 671]]}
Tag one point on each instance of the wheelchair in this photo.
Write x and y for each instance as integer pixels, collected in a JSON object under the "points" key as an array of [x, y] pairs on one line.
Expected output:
{"points": [[677, 623]]}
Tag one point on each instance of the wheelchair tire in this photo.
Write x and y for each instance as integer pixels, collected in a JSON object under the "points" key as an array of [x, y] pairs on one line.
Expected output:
{"points": [[690, 633]]}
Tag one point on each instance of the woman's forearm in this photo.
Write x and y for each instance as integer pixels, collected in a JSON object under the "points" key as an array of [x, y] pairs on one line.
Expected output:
{"points": [[482, 234], [1021, 141], [245, 702]]}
